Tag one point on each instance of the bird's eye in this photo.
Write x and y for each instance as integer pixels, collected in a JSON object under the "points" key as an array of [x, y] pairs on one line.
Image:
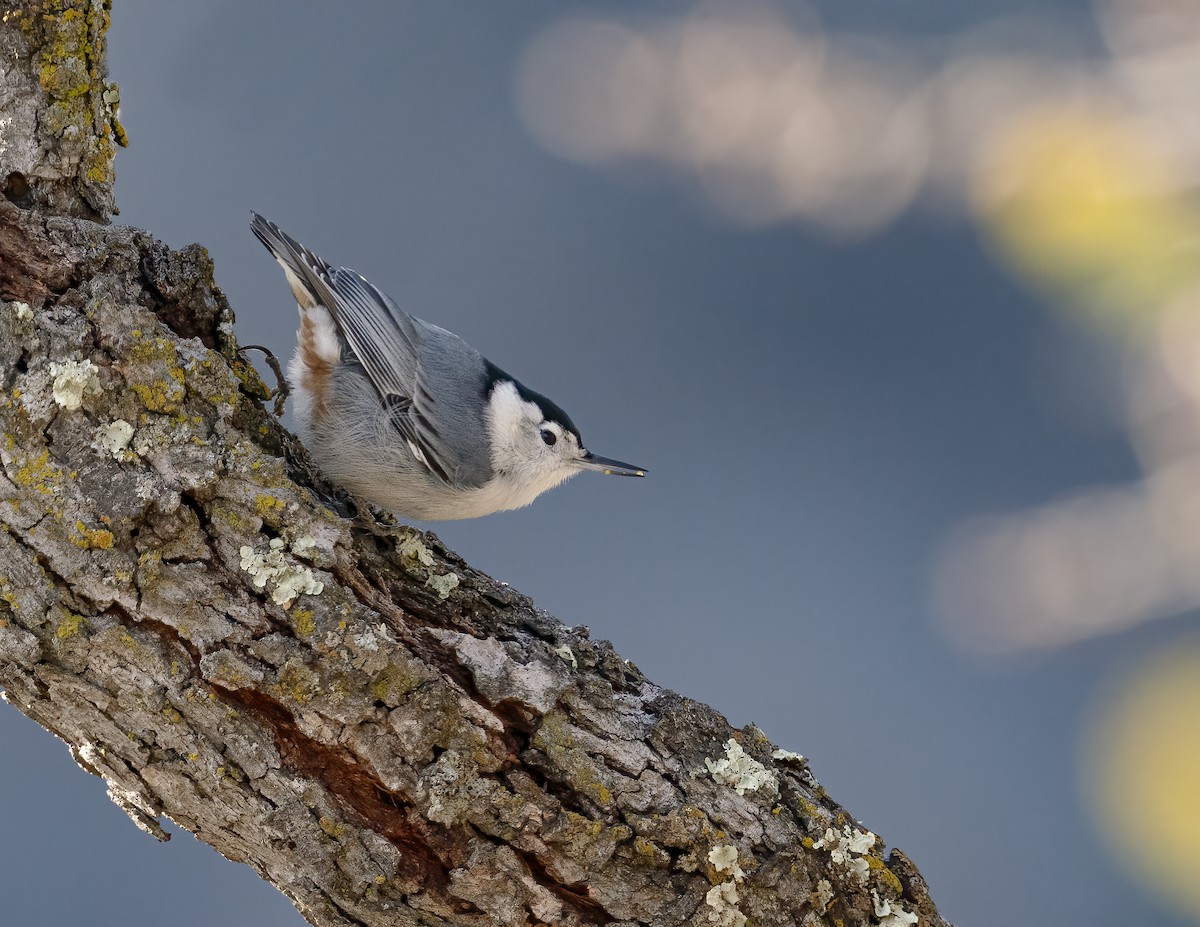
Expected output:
{"points": [[549, 437]]}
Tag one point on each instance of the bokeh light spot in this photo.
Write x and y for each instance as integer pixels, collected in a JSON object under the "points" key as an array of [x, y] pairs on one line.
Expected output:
{"points": [[1141, 768]]}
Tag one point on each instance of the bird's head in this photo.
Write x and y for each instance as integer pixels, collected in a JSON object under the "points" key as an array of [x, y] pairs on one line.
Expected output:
{"points": [[535, 445]]}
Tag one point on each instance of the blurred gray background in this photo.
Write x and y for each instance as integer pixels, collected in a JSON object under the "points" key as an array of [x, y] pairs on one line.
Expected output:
{"points": [[823, 396]]}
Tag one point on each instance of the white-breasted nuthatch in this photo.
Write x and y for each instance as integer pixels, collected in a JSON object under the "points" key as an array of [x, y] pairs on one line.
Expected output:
{"points": [[408, 415]]}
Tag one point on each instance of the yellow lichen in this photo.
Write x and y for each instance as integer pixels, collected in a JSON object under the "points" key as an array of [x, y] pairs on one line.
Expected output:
{"points": [[334, 829], [303, 621], [159, 396], [70, 626], [298, 683], [266, 505], [890, 879], [92, 538], [380, 686], [70, 73], [250, 380], [39, 474]]}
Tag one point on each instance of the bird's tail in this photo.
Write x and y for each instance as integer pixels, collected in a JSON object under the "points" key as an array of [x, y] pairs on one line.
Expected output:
{"points": [[307, 273]]}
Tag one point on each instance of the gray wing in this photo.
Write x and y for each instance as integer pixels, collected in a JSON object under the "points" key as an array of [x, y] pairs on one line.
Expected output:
{"points": [[431, 383], [431, 379]]}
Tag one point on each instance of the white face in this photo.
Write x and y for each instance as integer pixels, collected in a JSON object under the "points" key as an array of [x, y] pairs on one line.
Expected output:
{"points": [[527, 450]]}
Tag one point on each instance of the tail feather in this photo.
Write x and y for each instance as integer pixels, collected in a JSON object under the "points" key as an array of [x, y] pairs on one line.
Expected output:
{"points": [[319, 343], [307, 273]]}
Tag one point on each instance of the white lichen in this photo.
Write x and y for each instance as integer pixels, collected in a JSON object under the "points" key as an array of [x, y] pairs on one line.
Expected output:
{"points": [[414, 548], [787, 756], [891, 914], [270, 570], [443, 585], [72, 380], [372, 638], [821, 896], [21, 310], [114, 439], [304, 546], [740, 770], [568, 655], [724, 858], [846, 847], [723, 899]]}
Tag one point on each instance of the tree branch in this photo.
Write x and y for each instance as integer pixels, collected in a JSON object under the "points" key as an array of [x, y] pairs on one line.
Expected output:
{"points": [[387, 735]]}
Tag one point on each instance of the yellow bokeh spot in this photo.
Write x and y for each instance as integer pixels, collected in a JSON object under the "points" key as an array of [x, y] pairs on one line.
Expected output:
{"points": [[1142, 774], [1073, 199]]}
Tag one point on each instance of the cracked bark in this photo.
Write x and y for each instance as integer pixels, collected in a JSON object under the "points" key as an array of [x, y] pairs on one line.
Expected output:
{"points": [[394, 749]]}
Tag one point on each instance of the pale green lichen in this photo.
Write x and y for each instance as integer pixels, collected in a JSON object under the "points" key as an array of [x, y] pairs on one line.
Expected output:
{"points": [[414, 549], [443, 585], [724, 859], [304, 546], [269, 570], [72, 381], [740, 770], [846, 848], [892, 913], [113, 438], [821, 896], [722, 900], [568, 655]]}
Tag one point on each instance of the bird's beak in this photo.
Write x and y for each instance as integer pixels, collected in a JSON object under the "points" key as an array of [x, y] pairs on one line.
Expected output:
{"points": [[590, 461]]}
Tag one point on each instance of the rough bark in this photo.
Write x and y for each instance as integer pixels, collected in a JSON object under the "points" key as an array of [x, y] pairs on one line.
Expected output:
{"points": [[387, 735]]}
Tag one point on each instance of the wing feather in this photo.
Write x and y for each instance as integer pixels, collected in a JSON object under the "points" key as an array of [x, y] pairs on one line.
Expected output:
{"points": [[389, 344]]}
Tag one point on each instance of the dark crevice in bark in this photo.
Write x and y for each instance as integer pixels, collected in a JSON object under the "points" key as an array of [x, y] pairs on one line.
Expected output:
{"points": [[170, 636], [422, 844], [575, 900]]}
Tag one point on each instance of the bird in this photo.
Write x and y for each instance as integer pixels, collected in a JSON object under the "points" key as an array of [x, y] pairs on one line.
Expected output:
{"points": [[407, 415]]}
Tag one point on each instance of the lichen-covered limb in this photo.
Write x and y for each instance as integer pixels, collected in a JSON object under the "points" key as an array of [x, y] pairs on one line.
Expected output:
{"points": [[312, 695], [387, 735], [58, 122]]}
